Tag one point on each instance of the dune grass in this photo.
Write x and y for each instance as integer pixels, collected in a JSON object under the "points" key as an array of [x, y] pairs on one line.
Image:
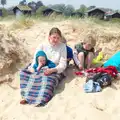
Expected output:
{"points": [[23, 22], [27, 22]]}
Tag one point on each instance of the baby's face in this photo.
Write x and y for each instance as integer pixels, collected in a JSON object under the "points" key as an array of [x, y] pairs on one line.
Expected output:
{"points": [[42, 60]]}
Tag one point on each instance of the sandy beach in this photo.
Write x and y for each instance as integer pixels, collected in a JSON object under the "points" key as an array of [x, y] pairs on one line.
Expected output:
{"points": [[70, 101]]}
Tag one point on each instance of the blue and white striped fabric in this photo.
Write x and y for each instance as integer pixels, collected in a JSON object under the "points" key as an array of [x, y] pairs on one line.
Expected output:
{"points": [[37, 88]]}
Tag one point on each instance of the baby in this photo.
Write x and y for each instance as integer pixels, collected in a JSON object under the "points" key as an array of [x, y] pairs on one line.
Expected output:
{"points": [[41, 61]]}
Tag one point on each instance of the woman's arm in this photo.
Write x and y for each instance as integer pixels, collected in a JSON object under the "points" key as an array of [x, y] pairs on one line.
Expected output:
{"points": [[50, 71], [63, 60]]}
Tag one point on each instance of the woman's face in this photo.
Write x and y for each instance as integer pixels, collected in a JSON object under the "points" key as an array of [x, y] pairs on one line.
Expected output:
{"points": [[54, 39]]}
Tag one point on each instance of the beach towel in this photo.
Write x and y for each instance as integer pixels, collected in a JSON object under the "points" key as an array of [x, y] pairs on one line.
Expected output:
{"points": [[37, 88], [114, 61]]}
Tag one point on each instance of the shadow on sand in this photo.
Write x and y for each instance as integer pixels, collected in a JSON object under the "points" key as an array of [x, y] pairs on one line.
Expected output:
{"points": [[70, 75]]}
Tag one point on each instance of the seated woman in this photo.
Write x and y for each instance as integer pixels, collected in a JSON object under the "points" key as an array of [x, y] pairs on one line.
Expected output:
{"points": [[40, 89], [84, 53]]}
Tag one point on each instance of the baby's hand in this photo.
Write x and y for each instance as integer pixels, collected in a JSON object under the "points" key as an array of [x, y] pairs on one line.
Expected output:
{"points": [[39, 66]]}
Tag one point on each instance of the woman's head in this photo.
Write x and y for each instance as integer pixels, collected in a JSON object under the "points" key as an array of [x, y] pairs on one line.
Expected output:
{"points": [[89, 42], [54, 36]]}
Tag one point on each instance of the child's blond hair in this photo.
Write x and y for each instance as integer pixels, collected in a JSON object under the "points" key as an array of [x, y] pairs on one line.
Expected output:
{"points": [[90, 39], [63, 39]]}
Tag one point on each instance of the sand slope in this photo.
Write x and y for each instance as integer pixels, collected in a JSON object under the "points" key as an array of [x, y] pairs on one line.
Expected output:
{"points": [[70, 102]]}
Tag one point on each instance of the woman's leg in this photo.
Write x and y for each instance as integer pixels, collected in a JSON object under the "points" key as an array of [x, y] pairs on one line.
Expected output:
{"points": [[89, 59]]}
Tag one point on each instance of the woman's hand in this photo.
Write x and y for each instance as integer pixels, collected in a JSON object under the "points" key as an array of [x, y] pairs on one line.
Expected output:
{"points": [[50, 71]]}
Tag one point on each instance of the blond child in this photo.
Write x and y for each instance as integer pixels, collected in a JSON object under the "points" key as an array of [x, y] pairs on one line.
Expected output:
{"points": [[84, 52]]}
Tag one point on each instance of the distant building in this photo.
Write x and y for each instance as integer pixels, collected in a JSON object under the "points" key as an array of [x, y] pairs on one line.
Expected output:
{"points": [[49, 11], [96, 12], [10, 11], [78, 14], [22, 10], [1, 12], [113, 15]]}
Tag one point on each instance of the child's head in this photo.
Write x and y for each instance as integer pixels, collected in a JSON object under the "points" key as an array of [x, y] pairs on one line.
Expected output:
{"points": [[41, 58], [89, 42], [63, 40], [54, 36]]}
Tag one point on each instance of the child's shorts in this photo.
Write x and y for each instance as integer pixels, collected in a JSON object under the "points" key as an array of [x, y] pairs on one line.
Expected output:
{"points": [[69, 53]]}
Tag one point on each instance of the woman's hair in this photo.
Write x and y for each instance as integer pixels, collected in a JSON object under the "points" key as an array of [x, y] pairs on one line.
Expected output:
{"points": [[55, 30], [90, 39]]}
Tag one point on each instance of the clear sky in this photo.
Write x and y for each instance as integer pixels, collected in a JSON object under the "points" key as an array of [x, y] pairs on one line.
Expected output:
{"points": [[114, 4]]}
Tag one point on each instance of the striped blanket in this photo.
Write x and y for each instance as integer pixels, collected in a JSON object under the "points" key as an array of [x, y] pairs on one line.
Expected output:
{"points": [[36, 88]]}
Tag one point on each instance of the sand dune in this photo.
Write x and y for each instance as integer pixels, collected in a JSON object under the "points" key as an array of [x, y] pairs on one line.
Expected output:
{"points": [[70, 102]]}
